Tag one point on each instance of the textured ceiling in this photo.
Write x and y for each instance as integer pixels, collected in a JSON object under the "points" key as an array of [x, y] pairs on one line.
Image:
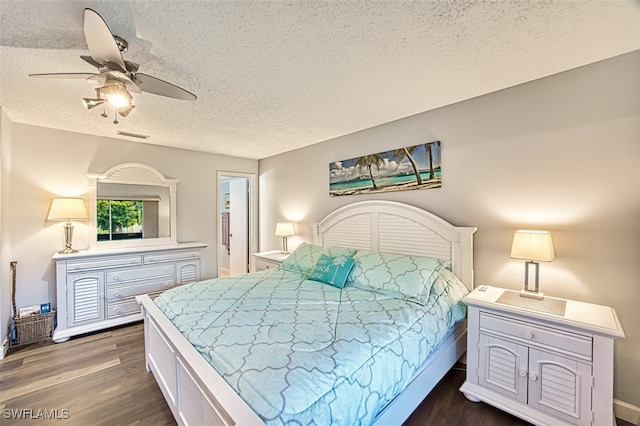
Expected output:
{"points": [[272, 76]]}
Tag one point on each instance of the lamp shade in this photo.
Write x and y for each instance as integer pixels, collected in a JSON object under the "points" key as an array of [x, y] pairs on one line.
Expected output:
{"points": [[284, 229], [67, 209], [532, 245]]}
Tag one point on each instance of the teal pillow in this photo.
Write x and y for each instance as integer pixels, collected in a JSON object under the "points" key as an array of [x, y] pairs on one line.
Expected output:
{"points": [[332, 270], [396, 275], [305, 256]]}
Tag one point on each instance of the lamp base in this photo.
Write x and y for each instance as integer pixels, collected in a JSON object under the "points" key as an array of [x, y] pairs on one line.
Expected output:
{"points": [[68, 250], [68, 237], [531, 294]]}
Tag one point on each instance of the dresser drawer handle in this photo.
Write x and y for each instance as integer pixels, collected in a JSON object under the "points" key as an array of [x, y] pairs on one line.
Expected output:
{"points": [[133, 261], [533, 376], [76, 267], [167, 270], [116, 294], [116, 278], [167, 285], [152, 259], [522, 373], [117, 311], [528, 335]]}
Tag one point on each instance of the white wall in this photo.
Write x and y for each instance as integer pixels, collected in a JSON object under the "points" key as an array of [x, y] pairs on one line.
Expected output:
{"points": [[5, 213], [47, 163], [561, 153]]}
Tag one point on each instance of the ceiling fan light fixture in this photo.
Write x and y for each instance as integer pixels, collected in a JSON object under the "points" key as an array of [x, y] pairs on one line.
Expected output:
{"points": [[116, 94], [124, 111], [90, 103]]}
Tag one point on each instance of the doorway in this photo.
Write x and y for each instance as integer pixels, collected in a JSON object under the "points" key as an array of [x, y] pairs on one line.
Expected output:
{"points": [[235, 218]]}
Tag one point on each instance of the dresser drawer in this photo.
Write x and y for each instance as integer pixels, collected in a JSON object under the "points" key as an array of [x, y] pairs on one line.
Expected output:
{"points": [[545, 337], [115, 293], [124, 275], [115, 310], [152, 258], [103, 263]]}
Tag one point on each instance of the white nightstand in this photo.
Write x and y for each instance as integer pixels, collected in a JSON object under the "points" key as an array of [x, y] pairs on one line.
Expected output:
{"points": [[546, 368], [268, 259]]}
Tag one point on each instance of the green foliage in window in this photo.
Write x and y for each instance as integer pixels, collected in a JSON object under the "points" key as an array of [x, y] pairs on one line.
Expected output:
{"points": [[118, 215]]}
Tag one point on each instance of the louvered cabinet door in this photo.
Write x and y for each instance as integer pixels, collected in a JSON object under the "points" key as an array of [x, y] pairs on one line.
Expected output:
{"points": [[187, 272], [85, 297], [503, 367], [560, 386]]}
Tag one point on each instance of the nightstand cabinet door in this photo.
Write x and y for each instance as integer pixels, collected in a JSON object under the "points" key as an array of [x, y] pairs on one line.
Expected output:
{"points": [[560, 386], [503, 367]]}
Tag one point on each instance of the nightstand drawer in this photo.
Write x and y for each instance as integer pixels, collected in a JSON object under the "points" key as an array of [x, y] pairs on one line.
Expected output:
{"points": [[545, 337], [262, 264]]}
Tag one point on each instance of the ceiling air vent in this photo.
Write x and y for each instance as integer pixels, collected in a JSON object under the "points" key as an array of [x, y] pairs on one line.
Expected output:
{"points": [[133, 135]]}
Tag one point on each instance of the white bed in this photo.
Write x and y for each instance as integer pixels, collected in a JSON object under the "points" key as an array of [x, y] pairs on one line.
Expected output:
{"points": [[197, 395]]}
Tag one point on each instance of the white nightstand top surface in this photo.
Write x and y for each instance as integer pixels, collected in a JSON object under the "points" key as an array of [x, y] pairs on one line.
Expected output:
{"points": [[276, 255], [595, 318]]}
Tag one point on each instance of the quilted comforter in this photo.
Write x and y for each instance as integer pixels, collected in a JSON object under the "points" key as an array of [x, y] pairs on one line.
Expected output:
{"points": [[304, 352]]}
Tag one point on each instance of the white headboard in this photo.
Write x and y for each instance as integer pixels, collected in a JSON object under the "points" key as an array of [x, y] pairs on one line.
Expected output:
{"points": [[392, 227]]}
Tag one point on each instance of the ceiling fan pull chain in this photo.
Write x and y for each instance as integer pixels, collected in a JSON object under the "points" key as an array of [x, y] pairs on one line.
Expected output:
{"points": [[115, 115]]}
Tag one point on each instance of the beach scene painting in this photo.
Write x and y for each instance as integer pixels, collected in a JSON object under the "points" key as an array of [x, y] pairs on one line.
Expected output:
{"points": [[408, 168]]}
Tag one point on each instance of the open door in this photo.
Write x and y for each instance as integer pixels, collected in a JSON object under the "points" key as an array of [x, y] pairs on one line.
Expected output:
{"points": [[238, 226], [235, 191]]}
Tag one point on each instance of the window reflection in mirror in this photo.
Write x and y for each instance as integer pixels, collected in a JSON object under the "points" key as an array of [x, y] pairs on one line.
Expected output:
{"points": [[130, 212]]}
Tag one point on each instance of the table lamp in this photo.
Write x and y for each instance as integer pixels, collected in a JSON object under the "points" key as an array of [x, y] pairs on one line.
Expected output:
{"points": [[534, 247], [284, 230], [67, 209]]}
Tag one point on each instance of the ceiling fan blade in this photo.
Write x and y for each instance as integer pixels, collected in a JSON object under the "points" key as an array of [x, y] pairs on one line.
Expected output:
{"points": [[68, 75], [102, 46], [131, 66], [90, 60], [156, 86]]}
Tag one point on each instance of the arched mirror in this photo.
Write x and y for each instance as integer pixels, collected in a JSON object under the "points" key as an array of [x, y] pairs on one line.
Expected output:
{"points": [[131, 205]]}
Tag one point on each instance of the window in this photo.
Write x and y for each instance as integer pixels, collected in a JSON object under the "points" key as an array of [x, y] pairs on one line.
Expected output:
{"points": [[120, 219]]}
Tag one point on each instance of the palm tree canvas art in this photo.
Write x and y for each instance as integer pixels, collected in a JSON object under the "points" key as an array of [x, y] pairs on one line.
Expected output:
{"points": [[412, 167]]}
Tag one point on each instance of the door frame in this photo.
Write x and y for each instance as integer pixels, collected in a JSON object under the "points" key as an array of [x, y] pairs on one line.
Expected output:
{"points": [[253, 217]]}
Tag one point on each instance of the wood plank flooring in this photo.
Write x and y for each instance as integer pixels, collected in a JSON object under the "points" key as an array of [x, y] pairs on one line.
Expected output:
{"points": [[100, 379]]}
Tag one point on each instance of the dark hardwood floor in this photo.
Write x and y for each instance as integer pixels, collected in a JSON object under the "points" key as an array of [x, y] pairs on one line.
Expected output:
{"points": [[100, 379]]}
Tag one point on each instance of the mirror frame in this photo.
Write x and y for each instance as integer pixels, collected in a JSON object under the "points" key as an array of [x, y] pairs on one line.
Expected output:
{"points": [[131, 174]]}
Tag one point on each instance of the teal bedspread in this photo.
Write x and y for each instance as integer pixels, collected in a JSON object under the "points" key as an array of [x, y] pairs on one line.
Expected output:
{"points": [[304, 352]]}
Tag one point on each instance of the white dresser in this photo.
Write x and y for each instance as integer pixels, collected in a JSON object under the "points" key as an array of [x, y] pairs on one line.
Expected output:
{"points": [[96, 289], [546, 367]]}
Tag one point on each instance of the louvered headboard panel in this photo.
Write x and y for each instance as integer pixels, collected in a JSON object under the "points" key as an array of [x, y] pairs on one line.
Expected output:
{"points": [[400, 235], [392, 227], [354, 232]]}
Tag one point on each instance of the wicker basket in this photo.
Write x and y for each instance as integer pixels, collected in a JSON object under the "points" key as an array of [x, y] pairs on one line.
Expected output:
{"points": [[33, 328]]}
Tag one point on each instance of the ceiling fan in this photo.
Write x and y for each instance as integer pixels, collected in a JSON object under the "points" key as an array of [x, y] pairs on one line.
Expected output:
{"points": [[116, 77]]}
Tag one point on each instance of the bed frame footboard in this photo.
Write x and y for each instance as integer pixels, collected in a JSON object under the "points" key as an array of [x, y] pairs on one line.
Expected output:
{"points": [[195, 393]]}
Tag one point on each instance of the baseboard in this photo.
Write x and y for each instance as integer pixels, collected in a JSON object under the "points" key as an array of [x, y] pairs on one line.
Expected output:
{"points": [[627, 412], [5, 347]]}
